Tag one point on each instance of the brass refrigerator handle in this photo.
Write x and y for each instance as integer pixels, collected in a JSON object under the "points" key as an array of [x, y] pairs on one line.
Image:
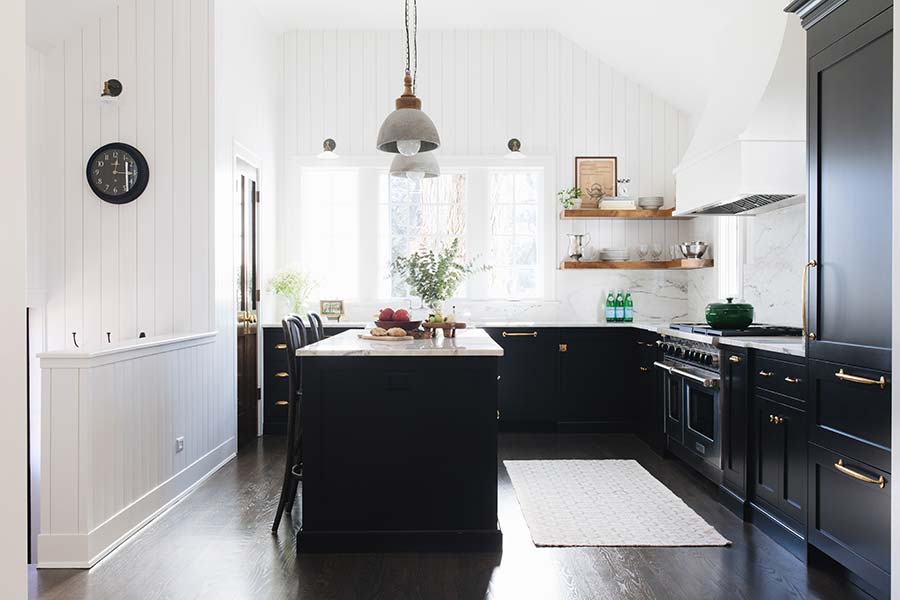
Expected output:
{"points": [[806, 267], [882, 383], [533, 334], [839, 465]]}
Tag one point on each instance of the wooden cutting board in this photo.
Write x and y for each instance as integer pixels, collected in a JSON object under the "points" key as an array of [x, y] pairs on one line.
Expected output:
{"points": [[386, 338]]}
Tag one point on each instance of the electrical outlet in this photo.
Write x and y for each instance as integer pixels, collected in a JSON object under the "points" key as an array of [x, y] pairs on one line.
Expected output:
{"points": [[179, 444]]}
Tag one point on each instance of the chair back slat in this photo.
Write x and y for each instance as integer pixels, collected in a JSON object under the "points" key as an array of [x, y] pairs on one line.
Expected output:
{"points": [[316, 326]]}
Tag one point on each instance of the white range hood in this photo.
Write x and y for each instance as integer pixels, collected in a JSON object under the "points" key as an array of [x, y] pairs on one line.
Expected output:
{"points": [[748, 153]]}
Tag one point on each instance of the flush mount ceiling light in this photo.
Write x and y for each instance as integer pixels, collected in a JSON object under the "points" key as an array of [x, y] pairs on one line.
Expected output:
{"points": [[328, 152], [408, 130], [423, 165], [515, 150]]}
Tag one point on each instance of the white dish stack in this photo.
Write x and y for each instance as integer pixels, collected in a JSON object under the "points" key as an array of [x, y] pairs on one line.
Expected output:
{"points": [[613, 254]]}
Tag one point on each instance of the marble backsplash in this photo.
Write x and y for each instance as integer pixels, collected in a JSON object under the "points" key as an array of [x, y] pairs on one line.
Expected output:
{"points": [[773, 270]]}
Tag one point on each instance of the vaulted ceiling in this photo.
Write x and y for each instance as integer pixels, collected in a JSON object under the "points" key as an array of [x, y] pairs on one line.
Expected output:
{"points": [[665, 45]]}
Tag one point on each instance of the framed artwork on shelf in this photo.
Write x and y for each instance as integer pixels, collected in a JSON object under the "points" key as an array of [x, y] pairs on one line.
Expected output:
{"points": [[331, 309], [596, 177]]}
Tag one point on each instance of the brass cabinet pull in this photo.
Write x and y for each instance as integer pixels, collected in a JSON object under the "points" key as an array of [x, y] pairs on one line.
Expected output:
{"points": [[734, 359], [806, 268], [281, 346], [839, 465], [792, 380], [644, 369], [281, 403], [863, 380], [776, 419], [563, 348], [281, 374], [766, 373], [533, 334]]}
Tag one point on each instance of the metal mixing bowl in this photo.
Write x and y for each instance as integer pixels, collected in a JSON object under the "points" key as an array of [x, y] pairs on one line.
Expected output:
{"points": [[693, 249]]}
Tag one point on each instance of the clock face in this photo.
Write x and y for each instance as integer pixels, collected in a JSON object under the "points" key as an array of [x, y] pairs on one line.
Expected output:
{"points": [[117, 173]]}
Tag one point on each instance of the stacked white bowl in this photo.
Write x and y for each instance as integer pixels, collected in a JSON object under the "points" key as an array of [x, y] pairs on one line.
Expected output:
{"points": [[613, 254]]}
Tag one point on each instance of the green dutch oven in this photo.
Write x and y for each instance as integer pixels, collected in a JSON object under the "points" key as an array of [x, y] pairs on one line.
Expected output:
{"points": [[728, 315]]}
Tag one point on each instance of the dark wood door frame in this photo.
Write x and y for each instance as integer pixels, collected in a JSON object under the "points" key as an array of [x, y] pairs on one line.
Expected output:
{"points": [[247, 306]]}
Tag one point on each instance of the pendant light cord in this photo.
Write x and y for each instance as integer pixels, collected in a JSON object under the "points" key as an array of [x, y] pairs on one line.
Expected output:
{"points": [[412, 56]]}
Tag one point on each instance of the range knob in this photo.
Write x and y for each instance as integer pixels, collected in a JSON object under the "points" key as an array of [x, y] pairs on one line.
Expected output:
{"points": [[707, 359], [694, 355], [679, 351]]}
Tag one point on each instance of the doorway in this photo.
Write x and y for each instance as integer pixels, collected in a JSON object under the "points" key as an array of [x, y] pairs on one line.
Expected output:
{"points": [[246, 213]]}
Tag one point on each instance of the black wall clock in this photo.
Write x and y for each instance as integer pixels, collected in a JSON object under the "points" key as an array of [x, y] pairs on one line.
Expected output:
{"points": [[118, 173]]}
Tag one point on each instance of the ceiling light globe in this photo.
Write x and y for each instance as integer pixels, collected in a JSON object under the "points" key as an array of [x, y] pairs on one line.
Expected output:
{"points": [[408, 147]]}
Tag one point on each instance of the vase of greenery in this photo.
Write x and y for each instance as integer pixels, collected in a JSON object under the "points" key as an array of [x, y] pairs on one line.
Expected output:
{"points": [[570, 198], [435, 276], [294, 286]]}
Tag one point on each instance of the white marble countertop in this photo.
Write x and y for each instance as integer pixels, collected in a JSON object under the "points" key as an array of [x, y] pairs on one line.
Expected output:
{"points": [[468, 342], [794, 346]]}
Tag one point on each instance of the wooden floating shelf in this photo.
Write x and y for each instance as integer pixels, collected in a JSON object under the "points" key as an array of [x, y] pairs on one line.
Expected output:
{"points": [[682, 264], [599, 213]]}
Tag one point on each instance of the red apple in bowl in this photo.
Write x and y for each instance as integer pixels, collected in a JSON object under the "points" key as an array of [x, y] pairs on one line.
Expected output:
{"points": [[386, 314], [399, 315]]}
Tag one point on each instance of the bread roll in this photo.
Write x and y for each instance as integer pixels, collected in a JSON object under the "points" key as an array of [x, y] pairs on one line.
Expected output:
{"points": [[396, 332], [378, 332]]}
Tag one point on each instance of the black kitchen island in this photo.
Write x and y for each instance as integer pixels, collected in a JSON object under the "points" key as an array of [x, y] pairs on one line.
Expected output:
{"points": [[400, 445]]}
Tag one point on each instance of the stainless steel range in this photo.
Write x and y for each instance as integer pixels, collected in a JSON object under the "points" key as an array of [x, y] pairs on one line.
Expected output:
{"points": [[692, 400]]}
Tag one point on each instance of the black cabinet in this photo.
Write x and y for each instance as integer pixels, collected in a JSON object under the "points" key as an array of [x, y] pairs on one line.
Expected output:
{"points": [[850, 194], [735, 416], [642, 383], [780, 459], [849, 516], [275, 387], [529, 377], [849, 415], [592, 367], [850, 122]]}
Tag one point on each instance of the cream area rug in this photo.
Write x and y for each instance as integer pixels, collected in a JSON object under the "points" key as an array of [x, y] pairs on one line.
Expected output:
{"points": [[603, 503]]}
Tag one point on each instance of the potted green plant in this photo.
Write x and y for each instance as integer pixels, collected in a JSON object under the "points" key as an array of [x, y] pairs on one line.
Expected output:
{"points": [[294, 286], [570, 198], [435, 276]]}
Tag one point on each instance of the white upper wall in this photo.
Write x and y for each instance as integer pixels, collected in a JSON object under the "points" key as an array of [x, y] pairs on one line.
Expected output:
{"points": [[663, 45]]}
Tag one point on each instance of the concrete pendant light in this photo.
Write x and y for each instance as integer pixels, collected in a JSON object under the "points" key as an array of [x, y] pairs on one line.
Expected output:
{"points": [[423, 165], [408, 130]]}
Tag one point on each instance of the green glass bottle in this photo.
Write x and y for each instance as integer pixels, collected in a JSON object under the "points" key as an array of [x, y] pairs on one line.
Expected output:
{"points": [[629, 307], [620, 306], [610, 307]]}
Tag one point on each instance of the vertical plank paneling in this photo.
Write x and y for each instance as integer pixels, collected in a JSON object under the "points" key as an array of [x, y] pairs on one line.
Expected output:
{"points": [[165, 182], [461, 87], [542, 86], [319, 86], [54, 146], [127, 226], [370, 108], [342, 92], [145, 100], [74, 193], [109, 213], [501, 100], [330, 83], [91, 223], [200, 210], [182, 157], [355, 108], [645, 183], [289, 68], [299, 72], [579, 100], [605, 112], [658, 133], [513, 91]]}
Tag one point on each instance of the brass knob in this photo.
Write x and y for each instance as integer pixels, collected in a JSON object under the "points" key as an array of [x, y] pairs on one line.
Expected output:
{"points": [[563, 348], [281, 374], [281, 346], [734, 359], [281, 403], [812, 336]]}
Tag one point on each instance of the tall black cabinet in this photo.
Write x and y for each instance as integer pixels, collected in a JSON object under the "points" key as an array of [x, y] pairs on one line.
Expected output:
{"points": [[850, 105]]}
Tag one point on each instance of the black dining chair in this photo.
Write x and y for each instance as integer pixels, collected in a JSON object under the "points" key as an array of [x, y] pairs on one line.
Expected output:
{"points": [[295, 338], [316, 327]]}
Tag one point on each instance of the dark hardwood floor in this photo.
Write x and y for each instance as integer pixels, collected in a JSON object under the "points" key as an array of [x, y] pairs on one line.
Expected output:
{"points": [[216, 544]]}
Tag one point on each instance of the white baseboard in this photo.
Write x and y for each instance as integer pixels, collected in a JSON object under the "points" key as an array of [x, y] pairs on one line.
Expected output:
{"points": [[83, 551]]}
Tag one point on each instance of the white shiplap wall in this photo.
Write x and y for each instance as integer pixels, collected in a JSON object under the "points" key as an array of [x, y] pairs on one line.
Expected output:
{"points": [[482, 88], [144, 266]]}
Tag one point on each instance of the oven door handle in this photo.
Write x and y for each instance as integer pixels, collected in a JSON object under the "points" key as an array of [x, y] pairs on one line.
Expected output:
{"points": [[662, 366], [708, 382]]}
